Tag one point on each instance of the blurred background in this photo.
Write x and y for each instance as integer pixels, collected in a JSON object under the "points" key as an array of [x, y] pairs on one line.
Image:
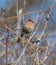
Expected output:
{"points": [[10, 8]]}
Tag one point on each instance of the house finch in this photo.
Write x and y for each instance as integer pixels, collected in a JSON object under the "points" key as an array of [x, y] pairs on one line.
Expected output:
{"points": [[28, 27]]}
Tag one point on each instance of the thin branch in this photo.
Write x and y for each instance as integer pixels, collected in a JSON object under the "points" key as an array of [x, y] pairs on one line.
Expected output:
{"points": [[28, 43], [13, 17]]}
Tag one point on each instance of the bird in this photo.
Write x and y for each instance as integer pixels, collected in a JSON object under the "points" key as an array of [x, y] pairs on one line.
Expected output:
{"points": [[28, 27]]}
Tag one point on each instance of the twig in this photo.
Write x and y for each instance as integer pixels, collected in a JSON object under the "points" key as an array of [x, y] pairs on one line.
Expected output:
{"points": [[13, 17]]}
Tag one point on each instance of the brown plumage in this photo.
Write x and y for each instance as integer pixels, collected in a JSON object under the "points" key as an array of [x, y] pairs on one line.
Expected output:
{"points": [[28, 27]]}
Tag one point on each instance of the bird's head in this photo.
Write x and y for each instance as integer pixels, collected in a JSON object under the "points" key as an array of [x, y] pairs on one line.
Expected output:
{"points": [[30, 20]]}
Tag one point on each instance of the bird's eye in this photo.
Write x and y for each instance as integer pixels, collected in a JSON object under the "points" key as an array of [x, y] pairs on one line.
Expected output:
{"points": [[30, 20]]}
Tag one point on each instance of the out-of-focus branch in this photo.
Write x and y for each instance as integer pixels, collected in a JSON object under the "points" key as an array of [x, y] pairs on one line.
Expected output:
{"points": [[6, 27], [13, 17], [29, 41]]}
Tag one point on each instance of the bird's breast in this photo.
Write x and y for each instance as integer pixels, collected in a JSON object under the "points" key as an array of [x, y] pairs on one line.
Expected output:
{"points": [[29, 27]]}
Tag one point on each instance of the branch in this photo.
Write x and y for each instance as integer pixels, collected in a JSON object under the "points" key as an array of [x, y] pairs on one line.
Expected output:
{"points": [[28, 43]]}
